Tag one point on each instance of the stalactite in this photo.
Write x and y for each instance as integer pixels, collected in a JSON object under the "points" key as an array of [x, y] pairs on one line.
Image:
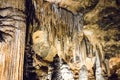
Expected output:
{"points": [[98, 64], [83, 51], [80, 6], [107, 66], [73, 22]]}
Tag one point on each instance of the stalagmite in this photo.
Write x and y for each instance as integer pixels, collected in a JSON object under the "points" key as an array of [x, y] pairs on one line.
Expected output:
{"points": [[98, 67], [98, 72], [56, 74], [66, 72], [61, 70], [83, 75], [49, 76]]}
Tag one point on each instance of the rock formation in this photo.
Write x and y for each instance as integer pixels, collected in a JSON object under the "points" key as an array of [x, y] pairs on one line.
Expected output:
{"points": [[77, 31]]}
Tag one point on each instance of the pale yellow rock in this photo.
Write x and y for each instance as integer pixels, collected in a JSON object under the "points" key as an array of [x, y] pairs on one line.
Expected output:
{"points": [[39, 37], [51, 54], [41, 46], [114, 64]]}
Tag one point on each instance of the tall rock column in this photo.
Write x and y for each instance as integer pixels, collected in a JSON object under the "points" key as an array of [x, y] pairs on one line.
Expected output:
{"points": [[12, 39]]}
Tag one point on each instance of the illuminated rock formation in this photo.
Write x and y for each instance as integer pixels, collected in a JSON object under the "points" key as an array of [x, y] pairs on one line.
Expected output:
{"points": [[77, 31]]}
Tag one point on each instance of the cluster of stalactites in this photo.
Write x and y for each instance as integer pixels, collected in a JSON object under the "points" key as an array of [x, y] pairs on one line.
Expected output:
{"points": [[63, 29]]}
